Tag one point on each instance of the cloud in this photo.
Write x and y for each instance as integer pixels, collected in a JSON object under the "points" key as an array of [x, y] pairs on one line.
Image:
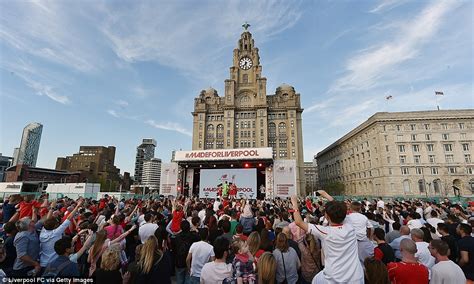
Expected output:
{"points": [[193, 39], [122, 103], [36, 80], [365, 70], [171, 126], [386, 5], [113, 113], [47, 30]]}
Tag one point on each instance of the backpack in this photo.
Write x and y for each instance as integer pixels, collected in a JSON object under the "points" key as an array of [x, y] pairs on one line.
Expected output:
{"points": [[53, 272]]}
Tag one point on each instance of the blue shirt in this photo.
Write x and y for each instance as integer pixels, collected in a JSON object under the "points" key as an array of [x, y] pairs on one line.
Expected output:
{"points": [[8, 211], [26, 243], [71, 270], [396, 245], [47, 239]]}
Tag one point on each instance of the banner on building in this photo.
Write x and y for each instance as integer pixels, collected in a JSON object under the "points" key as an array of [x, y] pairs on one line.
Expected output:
{"points": [[169, 179], [244, 179], [284, 178], [224, 154], [189, 181], [269, 183]]}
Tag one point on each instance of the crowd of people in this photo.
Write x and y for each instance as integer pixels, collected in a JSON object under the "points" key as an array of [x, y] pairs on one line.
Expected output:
{"points": [[229, 240]]}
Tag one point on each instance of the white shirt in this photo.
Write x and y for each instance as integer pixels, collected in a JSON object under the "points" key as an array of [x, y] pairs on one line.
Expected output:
{"points": [[201, 253], [414, 223], [380, 204], [360, 224], [147, 230], [215, 272], [447, 272], [202, 215], [341, 256], [423, 254], [216, 205], [434, 222]]}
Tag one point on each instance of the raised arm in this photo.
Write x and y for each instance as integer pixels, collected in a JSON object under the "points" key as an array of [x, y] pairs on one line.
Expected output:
{"points": [[325, 195], [124, 235], [296, 214], [79, 204]]}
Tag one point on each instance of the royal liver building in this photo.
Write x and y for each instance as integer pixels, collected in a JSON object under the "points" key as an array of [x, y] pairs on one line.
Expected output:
{"points": [[246, 117]]}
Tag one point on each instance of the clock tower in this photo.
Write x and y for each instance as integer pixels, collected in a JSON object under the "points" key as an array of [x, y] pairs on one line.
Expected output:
{"points": [[246, 117]]}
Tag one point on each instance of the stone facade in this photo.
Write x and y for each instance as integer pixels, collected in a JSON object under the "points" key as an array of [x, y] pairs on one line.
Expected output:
{"points": [[246, 117], [420, 153], [311, 177]]}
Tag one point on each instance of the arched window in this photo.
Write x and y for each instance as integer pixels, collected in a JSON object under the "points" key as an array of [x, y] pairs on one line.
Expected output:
{"points": [[245, 101], [210, 127], [406, 186], [421, 185], [437, 186], [471, 185], [271, 130], [220, 131]]}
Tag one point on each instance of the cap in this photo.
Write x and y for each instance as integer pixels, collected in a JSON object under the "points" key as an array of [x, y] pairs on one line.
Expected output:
{"points": [[471, 203]]}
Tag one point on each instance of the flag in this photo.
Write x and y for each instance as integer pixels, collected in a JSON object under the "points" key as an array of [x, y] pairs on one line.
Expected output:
{"points": [[388, 97], [439, 93]]}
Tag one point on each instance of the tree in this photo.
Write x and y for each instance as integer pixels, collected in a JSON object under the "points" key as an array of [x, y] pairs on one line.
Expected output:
{"points": [[335, 188]]}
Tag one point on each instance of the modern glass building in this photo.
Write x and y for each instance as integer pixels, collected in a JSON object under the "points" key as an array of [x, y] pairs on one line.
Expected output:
{"points": [[29, 147]]}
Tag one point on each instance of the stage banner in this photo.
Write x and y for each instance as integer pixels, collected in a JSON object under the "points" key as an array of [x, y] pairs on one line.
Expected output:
{"points": [[190, 181], [284, 178], [269, 183], [244, 179], [169, 179]]}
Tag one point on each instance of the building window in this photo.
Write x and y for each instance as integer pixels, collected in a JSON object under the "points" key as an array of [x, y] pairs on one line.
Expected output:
{"points": [[448, 147], [200, 144], [467, 158], [390, 171], [388, 160], [385, 137], [228, 142], [405, 171], [282, 127], [445, 136], [292, 142], [283, 153], [262, 143], [398, 126], [401, 148], [417, 159], [416, 148], [461, 125], [293, 153], [444, 126], [462, 136], [430, 147], [432, 159], [245, 78], [421, 185], [449, 158], [428, 137], [271, 130], [413, 137], [465, 147], [413, 126], [419, 171], [261, 122], [386, 148], [470, 171], [403, 159], [292, 124], [282, 143], [434, 171], [427, 126], [452, 170]]}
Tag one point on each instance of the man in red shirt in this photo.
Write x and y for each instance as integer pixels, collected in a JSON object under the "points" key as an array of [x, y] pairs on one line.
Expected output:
{"points": [[409, 270]]}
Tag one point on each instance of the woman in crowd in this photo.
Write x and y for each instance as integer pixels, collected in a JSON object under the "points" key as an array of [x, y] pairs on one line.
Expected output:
{"points": [[287, 260], [266, 269], [109, 271], [153, 266]]}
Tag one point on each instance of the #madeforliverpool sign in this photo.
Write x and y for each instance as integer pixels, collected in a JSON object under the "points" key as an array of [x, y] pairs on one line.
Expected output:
{"points": [[224, 154]]}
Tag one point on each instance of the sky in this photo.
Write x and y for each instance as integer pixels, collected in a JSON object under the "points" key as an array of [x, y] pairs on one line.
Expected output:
{"points": [[114, 72]]}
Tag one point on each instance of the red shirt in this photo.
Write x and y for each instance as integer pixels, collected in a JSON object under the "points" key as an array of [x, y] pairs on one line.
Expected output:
{"points": [[407, 273], [176, 221], [26, 208]]}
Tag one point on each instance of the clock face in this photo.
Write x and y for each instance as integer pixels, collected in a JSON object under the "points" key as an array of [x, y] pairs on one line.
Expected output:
{"points": [[245, 63]]}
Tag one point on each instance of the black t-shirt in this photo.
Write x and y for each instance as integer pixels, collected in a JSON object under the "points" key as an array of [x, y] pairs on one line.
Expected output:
{"points": [[161, 272], [453, 247], [467, 244], [105, 276]]}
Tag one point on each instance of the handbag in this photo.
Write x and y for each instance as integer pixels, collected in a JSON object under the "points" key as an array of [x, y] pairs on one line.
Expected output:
{"points": [[284, 269]]}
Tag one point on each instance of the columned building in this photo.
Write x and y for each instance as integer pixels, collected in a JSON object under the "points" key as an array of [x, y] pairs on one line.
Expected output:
{"points": [[145, 152], [246, 116], [420, 153], [27, 153]]}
